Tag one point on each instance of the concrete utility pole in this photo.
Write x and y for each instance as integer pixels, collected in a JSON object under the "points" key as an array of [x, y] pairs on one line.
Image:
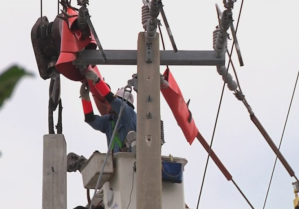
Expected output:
{"points": [[54, 172], [149, 179]]}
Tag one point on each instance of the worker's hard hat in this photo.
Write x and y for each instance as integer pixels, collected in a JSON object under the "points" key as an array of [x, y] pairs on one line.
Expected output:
{"points": [[128, 96]]}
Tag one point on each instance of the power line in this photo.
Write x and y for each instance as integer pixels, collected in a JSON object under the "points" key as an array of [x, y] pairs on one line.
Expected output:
{"points": [[242, 193], [210, 148], [282, 135], [216, 121], [163, 44]]}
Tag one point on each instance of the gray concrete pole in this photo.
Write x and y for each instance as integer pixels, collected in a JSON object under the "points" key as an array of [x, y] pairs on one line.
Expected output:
{"points": [[149, 179], [54, 172]]}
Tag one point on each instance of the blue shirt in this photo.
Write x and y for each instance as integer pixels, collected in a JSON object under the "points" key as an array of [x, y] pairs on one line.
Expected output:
{"points": [[127, 122]]}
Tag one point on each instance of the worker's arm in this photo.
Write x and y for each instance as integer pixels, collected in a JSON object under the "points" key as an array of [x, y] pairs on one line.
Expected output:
{"points": [[95, 121], [128, 114], [103, 89]]}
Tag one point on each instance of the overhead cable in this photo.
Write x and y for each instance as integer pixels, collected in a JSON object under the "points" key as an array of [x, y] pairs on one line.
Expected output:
{"points": [[282, 135], [240, 96], [216, 121], [203, 142]]}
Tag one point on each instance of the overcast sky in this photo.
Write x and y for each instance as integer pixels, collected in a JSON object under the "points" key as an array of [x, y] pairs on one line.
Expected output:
{"points": [[268, 36]]}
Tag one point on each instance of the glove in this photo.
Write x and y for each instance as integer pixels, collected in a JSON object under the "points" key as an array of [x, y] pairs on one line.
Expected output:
{"points": [[84, 92], [91, 75]]}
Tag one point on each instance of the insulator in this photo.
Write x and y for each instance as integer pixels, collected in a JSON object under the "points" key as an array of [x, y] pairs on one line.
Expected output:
{"points": [[227, 78], [221, 70], [81, 21], [225, 20], [220, 44], [154, 10], [232, 85], [151, 29], [82, 2], [220, 35], [145, 16], [44, 30], [215, 35], [162, 133]]}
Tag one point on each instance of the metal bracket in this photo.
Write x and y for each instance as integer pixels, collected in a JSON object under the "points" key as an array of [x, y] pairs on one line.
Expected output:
{"points": [[133, 82], [167, 57], [149, 53]]}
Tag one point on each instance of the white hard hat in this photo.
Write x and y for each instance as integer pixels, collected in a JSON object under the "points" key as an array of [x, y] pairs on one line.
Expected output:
{"points": [[128, 96]]}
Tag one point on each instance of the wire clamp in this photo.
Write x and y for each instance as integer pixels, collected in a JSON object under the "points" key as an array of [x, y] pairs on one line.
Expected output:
{"points": [[239, 95]]}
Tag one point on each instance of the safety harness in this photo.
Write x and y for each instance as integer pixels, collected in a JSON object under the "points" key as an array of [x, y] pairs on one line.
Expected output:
{"points": [[116, 138]]}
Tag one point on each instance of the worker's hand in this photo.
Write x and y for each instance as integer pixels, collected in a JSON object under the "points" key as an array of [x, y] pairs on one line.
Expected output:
{"points": [[84, 92], [91, 75]]}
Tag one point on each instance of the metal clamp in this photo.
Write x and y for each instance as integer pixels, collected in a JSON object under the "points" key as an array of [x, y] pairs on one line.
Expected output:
{"points": [[133, 82], [75, 162]]}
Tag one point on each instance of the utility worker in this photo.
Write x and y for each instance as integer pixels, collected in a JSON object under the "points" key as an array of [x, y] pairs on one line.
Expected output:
{"points": [[106, 123]]}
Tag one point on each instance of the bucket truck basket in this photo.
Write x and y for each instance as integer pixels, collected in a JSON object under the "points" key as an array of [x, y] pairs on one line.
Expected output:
{"points": [[92, 168]]}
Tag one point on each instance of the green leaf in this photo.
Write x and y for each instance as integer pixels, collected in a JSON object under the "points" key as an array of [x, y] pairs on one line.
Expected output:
{"points": [[8, 80]]}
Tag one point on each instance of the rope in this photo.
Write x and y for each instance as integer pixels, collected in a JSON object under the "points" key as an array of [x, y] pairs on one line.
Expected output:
{"points": [[131, 189], [282, 135], [109, 148]]}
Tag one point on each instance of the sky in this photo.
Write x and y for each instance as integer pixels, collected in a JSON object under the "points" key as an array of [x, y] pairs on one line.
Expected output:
{"points": [[270, 48]]}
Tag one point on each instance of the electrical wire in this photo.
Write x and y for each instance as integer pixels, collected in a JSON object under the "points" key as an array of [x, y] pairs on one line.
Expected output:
{"points": [[162, 39], [88, 196], [216, 117], [281, 139], [131, 189], [216, 121], [242, 193], [210, 148], [212, 138], [109, 147]]}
